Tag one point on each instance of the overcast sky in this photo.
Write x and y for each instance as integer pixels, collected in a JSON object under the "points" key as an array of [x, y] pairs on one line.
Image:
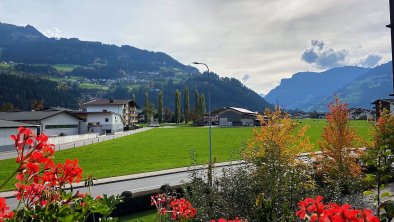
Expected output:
{"points": [[256, 41]]}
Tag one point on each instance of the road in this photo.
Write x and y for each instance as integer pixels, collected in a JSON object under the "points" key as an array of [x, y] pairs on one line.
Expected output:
{"points": [[150, 181]]}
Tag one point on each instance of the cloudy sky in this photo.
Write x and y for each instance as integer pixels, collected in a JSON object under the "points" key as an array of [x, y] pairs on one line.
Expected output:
{"points": [[256, 41]]}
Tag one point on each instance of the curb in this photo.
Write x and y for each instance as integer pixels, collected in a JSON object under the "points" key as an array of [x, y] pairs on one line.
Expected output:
{"points": [[108, 180]]}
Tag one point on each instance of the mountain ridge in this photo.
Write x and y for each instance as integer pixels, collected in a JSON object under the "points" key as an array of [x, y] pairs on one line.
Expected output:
{"points": [[304, 89], [95, 68]]}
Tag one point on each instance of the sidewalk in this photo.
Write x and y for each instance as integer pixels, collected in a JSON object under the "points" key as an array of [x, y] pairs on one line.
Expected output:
{"points": [[10, 194]]}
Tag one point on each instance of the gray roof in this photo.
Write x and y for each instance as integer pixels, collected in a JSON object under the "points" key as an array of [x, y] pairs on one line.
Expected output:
{"points": [[385, 100], [13, 124], [108, 102], [28, 115]]}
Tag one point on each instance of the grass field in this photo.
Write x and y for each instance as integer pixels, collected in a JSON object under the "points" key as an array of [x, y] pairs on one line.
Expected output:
{"points": [[87, 85], [147, 216], [162, 148], [65, 67]]}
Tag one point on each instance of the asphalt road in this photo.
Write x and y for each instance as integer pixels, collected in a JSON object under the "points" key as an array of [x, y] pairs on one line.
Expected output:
{"points": [[133, 185]]}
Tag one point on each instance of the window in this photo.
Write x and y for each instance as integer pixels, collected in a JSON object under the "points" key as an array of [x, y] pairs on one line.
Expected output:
{"points": [[106, 119], [60, 126]]}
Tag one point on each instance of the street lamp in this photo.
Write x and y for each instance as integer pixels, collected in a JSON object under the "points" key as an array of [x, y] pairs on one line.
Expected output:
{"points": [[209, 126]]}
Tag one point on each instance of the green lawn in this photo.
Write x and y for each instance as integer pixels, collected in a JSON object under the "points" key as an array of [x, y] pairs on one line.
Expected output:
{"points": [[4, 66], [160, 149], [87, 85], [65, 67], [362, 127], [147, 216], [152, 150]]}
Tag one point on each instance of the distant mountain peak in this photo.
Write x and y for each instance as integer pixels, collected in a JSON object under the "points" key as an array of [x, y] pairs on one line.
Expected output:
{"points": [[9, 33], [304, 90]]}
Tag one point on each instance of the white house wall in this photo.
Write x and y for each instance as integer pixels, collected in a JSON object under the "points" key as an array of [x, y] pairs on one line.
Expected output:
{"points": [[61, 119], [110, 108], [5, 134], [114, 123]]}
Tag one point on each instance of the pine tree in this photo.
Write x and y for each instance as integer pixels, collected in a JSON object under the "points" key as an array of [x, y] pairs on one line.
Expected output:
{"points": [[146, 110], [177, 106], [160, 108], [186, 105]]}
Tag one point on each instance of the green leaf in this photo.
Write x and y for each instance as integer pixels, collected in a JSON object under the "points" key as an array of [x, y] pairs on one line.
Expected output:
{"points": [[368, 192], [370, 178], [385, 194]]}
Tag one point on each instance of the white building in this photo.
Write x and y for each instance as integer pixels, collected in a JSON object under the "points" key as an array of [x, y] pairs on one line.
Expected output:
{"points": [[52, 123], [126, 108], [104, 122], [8, 128]]}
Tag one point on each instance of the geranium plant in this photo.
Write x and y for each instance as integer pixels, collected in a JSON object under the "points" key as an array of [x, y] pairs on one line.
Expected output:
{"points": [[314, 210], [41, 186], [171, 208]]}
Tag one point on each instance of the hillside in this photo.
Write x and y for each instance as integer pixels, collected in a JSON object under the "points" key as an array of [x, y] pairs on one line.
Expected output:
{"points": [[305, 90], [372, 85], [96, 70]]}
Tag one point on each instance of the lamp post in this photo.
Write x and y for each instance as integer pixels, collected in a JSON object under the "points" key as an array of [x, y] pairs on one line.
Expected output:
{"points": [[210, 128]]}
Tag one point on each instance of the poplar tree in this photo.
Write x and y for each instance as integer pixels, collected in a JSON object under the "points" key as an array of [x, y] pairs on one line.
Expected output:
{"points": [[146, 110], [197, 102], [186, 105], [177, 106], [202, 106], [160, 108]]}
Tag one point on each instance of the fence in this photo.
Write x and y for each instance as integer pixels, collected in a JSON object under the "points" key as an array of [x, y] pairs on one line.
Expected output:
{"points": [[70, 139], [99, 139]]}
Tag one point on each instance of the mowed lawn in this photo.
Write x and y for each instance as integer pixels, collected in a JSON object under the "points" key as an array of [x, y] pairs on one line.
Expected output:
{"points": [[165, 148], [362, 128], [157, 149]]}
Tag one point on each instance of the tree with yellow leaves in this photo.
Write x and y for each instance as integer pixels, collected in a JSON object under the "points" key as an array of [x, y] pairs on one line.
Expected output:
{"points": [[273, 150], [339, 160]]}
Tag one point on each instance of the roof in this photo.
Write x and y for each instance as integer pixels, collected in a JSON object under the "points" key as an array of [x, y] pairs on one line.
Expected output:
{"points": [[13, 124], [384, 100], [28, 115], [108, 102], [241, 110]]}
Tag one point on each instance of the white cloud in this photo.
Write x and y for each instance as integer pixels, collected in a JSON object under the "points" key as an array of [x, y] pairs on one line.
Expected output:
{"points": [[52, 33], [322, 56], [263, 38]]}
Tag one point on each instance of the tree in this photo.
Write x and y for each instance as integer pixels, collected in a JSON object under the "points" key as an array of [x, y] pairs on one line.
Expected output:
{"points": [[197, 102], [273, 151], [146, 109], [186, 105], [379, 160], [338, 162], [202, 106], [37, 105], [177, 107], [160, 108], [7, 107]]}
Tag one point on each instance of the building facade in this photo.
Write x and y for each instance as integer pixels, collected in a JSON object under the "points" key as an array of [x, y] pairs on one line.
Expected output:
{"points": [[234, 116], [52, 123], [104, 122], [126, 108]]}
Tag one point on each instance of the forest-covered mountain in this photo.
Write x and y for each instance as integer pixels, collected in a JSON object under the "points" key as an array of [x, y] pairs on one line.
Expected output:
{"points": [[370, 86], [356, 86], [305, 90], [93, 70]]}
